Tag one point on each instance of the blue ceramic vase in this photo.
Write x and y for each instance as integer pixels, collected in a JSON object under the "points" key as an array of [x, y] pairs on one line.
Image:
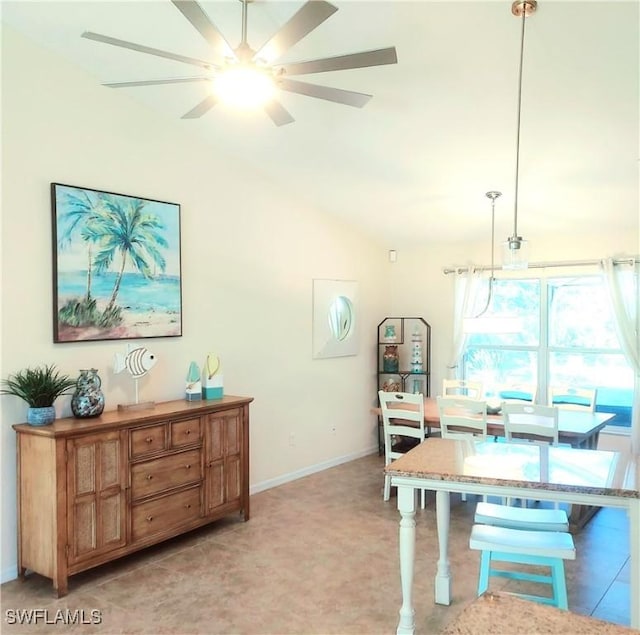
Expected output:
{"points": [[88, 399]]}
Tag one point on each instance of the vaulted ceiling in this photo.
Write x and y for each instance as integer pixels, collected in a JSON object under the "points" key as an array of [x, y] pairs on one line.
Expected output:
{"points": [[414, 164]]}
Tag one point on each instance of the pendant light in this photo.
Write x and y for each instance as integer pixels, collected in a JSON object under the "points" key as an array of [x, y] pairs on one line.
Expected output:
{"points": [[481, 323], [515, 251]]}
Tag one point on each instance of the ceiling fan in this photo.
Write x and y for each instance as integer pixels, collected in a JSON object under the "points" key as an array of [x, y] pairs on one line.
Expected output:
{"points": [[236, 67]]}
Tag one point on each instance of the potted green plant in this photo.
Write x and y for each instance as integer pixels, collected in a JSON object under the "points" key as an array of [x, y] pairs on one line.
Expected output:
{"points": [[39, 387]]}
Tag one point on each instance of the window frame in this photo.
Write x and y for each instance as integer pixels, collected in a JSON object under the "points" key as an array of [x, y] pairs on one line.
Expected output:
{"points": [[543, 350]]}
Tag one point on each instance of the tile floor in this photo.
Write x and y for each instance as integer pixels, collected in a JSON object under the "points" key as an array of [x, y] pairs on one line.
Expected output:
{"points": [[319, 556]]}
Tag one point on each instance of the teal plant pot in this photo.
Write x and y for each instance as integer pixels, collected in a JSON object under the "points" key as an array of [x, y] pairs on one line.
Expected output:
{"points": [[41, 416]]}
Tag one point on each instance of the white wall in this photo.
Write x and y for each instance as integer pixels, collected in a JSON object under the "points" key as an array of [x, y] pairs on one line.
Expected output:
{"points": [[249, 255]]}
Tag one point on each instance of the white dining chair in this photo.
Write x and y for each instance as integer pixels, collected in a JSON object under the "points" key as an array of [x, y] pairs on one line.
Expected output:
{"points": [[462, 388], [570, 398], [531, 423], [462, 418], [402, 419]]}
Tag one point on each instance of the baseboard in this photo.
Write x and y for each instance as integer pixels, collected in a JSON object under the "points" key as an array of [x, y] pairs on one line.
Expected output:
{"points": [[9, 573], [311, 469]]}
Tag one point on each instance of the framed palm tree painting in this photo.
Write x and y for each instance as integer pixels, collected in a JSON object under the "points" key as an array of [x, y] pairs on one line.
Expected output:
{"points": [[116, 266]]}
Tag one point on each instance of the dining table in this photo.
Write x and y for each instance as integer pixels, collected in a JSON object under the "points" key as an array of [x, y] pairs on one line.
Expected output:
{"points": [[518, 470], [577, 428]]}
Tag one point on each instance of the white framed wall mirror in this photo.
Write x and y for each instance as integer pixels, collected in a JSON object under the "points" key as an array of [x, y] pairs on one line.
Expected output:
{"points": [[335, 318]]}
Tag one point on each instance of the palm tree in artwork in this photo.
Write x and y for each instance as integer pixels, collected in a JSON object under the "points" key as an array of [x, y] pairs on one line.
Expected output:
{"points": [[124, 230], [80, 211]]}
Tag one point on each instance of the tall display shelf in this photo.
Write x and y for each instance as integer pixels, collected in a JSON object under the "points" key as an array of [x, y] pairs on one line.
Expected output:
{"points": [[404, 358]]}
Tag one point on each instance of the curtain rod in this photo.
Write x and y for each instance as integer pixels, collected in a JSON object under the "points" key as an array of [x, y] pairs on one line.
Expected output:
{"points": [[544, 265]]}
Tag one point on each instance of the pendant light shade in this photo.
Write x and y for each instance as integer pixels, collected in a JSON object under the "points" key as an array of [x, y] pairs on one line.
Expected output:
{"points": [[515, 251]]}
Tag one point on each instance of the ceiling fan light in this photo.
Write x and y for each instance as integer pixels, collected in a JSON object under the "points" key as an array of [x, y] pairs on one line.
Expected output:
{"points": [[244, 87], [515, 253]]}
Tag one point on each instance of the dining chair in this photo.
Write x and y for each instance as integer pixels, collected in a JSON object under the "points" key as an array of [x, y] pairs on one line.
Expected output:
{"points": [[570, 398], [402, 421], [462, 388], [537, 548], [531, 423], [462, 418]]}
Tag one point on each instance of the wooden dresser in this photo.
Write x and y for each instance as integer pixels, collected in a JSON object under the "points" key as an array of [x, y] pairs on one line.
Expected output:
{"points": [[92, 490]]}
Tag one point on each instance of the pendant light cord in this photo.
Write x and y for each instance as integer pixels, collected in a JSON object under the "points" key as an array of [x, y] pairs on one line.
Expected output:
{"points": [[493, 195], [515, 208]]}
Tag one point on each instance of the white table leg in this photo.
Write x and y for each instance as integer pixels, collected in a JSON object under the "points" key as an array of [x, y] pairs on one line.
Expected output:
{"points": [[407, 509], [634, 550], [443, 575]]}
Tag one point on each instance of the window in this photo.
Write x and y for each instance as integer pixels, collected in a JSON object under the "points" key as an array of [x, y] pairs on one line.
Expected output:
{"points": [[566, 337]]}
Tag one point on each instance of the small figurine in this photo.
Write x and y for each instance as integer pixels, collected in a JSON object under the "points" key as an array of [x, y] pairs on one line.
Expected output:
{"points": [[391, 385], [194, 383], [390, 359], [212, 386], [390, 333], [137, 361], [416, 351]]}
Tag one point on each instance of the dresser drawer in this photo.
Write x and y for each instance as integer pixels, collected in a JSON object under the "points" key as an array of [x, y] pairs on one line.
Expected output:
{"points": [[166, 472], [148, 440], [165, 513], [185, 432]]}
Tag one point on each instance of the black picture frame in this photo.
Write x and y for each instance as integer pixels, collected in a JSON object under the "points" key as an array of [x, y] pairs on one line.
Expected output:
{"points": [[117, 271]]}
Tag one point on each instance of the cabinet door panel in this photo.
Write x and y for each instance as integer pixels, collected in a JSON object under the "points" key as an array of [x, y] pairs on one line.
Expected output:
{"points": [[85, 469], [85, 523], [223, 458], [96, 498], [215, 486], [233, 434], [233, 479]]}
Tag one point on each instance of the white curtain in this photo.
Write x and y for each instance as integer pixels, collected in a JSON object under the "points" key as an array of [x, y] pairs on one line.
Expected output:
{"points": [[623, 285], [467, 285]]}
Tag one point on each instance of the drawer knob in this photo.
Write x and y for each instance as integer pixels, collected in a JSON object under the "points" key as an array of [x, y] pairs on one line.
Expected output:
{"points": [[188, 466], [188, 432], [149, 440], [149, 518], [149, 477], [188, 505]]}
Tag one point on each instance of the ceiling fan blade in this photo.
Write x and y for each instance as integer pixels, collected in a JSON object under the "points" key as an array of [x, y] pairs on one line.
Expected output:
{"points": [[278, 113], [379, 57], [201, 22], [156, 82], [146, 49], [347, 97], [307, 18], [203, 107]]}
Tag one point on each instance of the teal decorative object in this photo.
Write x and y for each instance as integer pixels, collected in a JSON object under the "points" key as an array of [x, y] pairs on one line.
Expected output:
{"points": [[194, 383], [391, 359], [212, 387]]}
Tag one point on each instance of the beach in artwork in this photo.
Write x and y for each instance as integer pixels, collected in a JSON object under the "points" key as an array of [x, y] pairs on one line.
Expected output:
{"points": [[149, 308], [117, 266]]}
